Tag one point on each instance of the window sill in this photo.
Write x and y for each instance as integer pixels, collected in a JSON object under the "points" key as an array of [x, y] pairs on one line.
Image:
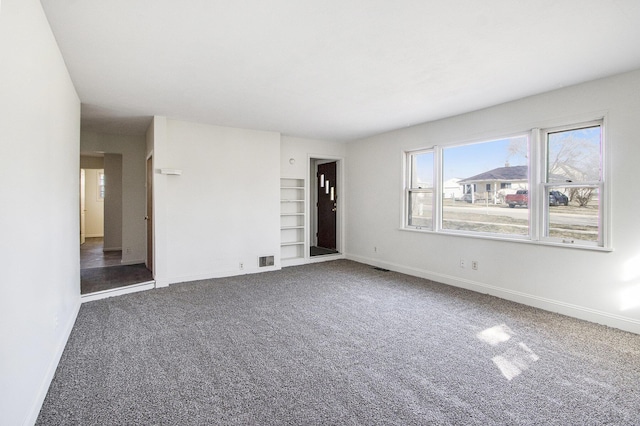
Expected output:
{"points": [[522, 240]]}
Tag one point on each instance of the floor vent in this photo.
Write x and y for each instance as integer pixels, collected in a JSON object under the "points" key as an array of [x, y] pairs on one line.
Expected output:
{"points": [[265, 261], [380, 269]]}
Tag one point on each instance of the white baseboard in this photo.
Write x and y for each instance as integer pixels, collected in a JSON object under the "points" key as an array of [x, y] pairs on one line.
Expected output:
{"points": [[164, 282], [132, 261], [325, 258], [311, 259], [134, 288], [51, 369], [584, 313]]}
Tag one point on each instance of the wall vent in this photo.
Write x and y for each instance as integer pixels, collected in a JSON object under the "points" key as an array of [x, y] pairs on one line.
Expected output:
{"points": [[265, 261]]}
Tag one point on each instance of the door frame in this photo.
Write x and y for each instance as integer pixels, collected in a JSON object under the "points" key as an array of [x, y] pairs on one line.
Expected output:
{"points": [[149, 215], [83, 206], [311, 188]]}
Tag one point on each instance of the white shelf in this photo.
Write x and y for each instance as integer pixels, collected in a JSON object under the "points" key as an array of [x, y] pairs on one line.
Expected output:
{"points": [[292, 221], [293, 243]]}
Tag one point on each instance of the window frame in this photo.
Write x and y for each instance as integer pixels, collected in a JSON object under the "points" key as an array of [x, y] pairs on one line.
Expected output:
{"points": [[545, 186], [101, 183], [539, 216], [408, 189]]}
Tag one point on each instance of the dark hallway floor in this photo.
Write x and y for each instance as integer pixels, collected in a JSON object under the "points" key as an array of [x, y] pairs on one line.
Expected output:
{"points": [[101, 270], [93, 256]]}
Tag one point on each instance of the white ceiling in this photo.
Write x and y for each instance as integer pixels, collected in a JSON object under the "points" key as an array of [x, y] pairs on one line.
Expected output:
{"points": [[330, 69]]}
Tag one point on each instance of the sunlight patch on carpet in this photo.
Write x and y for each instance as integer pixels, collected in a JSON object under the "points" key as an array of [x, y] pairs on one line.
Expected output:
{"points": [[515, 360], [495, 335]]}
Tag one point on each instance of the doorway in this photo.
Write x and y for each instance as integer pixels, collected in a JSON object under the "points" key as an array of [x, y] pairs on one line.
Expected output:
{"points": [[101, 208], [325, 215]]}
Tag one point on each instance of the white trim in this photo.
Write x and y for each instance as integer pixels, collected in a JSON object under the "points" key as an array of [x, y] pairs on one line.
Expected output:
{"points": [[295, 261], [438, 184], [132, 261], [536, 170], [326, 257], [134, 288], [208, 276], [32, 415], [580, 312], [512, 239], [542, 183]]}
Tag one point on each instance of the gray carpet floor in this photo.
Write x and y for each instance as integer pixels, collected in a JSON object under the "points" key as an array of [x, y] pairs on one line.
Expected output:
{"points": [[338, 343]]}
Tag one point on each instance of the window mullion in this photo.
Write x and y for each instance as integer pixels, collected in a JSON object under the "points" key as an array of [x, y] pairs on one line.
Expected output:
{"points": [[536, 177], [437, 189]]}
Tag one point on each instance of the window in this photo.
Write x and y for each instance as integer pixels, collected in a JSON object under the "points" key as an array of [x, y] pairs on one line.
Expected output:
{"points": [[574, 181], [550, 191], [100, 185], [420, 190], [480, 169]]}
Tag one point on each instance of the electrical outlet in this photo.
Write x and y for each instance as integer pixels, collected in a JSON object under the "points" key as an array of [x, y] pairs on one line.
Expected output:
{"points": [[241, 265], [474, 265], [375, 249], [462, 262], [127, 250]]}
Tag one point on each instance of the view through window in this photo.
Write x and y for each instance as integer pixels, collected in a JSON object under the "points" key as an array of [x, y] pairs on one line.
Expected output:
{"points": [[420, 192], [486, 174], [574, 180]]}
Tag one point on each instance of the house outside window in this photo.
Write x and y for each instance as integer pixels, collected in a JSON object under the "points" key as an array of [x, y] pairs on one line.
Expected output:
{"points": [[484, 164]]}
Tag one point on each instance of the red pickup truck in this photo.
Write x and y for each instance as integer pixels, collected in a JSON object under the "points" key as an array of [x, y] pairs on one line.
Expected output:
{"points": [[520, 198]]}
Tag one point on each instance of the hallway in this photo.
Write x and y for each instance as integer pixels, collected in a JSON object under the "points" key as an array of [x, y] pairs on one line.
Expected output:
{"points": [[92, 256], [102, 271]]}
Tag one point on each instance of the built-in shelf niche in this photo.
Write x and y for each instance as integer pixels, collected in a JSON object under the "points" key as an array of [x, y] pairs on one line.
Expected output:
{"points": [[292, 221]]}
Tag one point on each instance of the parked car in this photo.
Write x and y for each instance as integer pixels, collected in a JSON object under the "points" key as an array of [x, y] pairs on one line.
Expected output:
{"points": [[521, 198], [557, 198]]}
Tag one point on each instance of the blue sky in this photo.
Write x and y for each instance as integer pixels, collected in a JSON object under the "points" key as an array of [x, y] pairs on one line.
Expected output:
{"points": [[472, 159]]}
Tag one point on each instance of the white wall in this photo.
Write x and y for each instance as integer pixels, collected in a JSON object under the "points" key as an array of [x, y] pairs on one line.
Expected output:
{"points": [[300, 149], [39, 147], [599, 286], [223, 210], [132, 149], [91, 162], [113, 202], [94, 206]]}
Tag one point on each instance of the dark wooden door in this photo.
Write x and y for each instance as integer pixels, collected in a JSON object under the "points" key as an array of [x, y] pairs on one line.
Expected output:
{"points": [[327, 205]]}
